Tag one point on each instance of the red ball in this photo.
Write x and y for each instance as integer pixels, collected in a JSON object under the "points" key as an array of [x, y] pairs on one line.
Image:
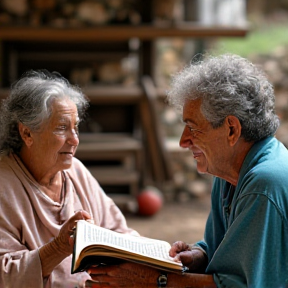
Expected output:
{"points": [[150, 201]]}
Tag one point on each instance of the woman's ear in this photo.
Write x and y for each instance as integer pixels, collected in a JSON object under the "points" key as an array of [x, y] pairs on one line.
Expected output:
{"points": [[25, 134], [234, 127]]}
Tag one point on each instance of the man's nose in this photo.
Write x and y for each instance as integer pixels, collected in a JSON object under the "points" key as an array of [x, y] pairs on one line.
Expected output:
{"points": [[185, 140]]}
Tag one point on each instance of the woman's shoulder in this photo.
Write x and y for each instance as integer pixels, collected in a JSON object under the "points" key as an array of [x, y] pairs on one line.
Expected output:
{"points": [[6, 171], [77, 166], [78, 169], [11, 182]]}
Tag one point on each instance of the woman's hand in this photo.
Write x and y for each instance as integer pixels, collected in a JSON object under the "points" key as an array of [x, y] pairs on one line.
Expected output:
{"points": [[127, 274], [194, 259], [52, 253], [64, 240]]}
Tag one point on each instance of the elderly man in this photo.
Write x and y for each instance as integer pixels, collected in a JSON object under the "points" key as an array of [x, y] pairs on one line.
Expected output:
{"points": [[227, 107]]}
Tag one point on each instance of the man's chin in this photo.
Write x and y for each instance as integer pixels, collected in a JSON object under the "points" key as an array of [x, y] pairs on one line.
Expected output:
{"points": [[202, 169]]}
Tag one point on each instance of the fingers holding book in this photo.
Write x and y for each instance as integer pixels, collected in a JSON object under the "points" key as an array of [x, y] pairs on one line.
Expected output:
{"points": [[79, 215], [127, 274], [65, 237]]}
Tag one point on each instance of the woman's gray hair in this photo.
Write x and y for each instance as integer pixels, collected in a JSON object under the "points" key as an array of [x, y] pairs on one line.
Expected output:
{"points": [[29, 102], [228, 85]]}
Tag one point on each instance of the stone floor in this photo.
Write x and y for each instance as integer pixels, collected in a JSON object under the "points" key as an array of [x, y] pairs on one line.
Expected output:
{"points": [[175, 221]]}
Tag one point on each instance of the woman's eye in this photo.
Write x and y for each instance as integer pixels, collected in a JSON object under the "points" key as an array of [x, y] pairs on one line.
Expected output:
{"points": [[61, 129], [76, 129]]}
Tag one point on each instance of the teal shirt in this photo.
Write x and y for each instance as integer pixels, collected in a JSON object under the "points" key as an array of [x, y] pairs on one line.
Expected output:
{"points": [[246, 235]]}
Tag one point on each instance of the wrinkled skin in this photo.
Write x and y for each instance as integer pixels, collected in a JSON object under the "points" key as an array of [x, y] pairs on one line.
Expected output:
{"points": [[64, 238], [128, 274], [193, 259], [52, 253], [134, 275]]}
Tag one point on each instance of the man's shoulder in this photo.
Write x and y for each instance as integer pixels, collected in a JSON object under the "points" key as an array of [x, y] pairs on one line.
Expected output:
{"points": [[266, 162]]}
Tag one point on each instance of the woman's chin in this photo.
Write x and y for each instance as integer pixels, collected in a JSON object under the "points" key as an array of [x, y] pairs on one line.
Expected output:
{"points": [[66, 163]]}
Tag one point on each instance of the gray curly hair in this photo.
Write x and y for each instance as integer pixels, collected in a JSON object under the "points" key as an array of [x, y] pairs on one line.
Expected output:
{"points": [[29, 103], [228, 85]]}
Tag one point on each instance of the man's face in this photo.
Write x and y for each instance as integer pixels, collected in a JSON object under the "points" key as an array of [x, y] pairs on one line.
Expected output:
{"points": [[208, 145]]}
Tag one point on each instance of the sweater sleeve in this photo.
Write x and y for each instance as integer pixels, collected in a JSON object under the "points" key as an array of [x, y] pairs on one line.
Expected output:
{"points": [[20, 266], [26, 267]]}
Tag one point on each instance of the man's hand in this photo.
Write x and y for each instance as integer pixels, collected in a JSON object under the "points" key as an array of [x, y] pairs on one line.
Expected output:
{"points": [[176, 248], [127, 274], [135, 275], [194, 259]]}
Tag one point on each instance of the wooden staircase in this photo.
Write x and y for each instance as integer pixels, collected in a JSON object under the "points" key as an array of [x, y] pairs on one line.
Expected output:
{"points": [[113, 159], [132, 159]]}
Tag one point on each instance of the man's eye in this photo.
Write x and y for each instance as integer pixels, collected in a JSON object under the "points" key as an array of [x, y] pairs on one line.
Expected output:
{"points": [[192, 129]]}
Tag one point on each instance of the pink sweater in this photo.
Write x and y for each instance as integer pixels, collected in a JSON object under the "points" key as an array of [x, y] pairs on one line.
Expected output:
{"points": [[29, 219]]}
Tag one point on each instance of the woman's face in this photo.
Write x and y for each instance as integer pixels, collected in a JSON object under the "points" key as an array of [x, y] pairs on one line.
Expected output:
{"points": [[52, 148]]}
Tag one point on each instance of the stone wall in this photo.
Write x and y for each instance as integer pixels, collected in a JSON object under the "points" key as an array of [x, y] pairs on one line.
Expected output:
{"points": [[276, 67]]}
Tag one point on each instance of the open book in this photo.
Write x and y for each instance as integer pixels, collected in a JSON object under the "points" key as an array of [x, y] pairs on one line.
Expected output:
{"points": [[95, 245]]}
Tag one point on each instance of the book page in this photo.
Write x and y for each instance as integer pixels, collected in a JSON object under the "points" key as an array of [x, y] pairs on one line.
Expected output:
{"points": [[88, 234]]}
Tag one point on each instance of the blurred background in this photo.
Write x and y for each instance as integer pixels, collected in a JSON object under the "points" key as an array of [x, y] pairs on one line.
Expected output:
{"points": [[122, 53]]}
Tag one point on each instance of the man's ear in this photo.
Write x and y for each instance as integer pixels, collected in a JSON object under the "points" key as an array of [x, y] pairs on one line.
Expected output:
{"points": [[234, 127], [25, 134]]}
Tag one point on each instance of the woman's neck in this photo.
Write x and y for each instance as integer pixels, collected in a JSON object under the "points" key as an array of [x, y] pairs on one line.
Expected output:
{"points": [[51, 183], [54, 189]]}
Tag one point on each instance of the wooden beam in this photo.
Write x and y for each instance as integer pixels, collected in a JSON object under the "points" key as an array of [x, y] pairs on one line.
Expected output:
{"points": [[117, 33]]}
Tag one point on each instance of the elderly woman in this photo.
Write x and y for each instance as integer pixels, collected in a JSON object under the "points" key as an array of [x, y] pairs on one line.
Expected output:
{"points": [[227, 108], [44, 189]]}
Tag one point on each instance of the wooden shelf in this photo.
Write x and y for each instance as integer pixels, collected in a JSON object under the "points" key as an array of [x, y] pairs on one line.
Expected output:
{"points": [[101, 94], [114, 175], [118, 33], [109, 146], [67, 56], [120, 147], [101, 144], [118, 176], [117, 94]]}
